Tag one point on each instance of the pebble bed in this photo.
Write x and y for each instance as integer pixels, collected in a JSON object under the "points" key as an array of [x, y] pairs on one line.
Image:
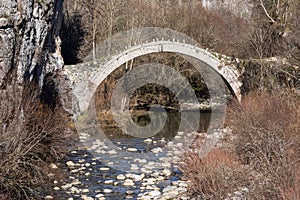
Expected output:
{"points": [[157, 177]]}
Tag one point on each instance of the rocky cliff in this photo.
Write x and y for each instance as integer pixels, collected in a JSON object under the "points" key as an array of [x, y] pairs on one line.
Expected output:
{"points": [[30, 51]]}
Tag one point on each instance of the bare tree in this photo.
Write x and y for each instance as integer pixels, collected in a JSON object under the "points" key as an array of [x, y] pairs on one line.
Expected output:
{"points": [[92, 19]]}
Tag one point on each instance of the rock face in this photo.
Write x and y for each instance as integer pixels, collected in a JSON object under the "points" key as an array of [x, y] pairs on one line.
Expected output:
{"points": [[29, 50]]}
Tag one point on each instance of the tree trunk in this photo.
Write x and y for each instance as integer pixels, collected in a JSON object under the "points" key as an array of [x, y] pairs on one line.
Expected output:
{"points": [[29, 52]]}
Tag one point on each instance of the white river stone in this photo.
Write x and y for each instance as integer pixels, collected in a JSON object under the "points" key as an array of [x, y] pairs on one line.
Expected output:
{"points": [[70, 164], [104, 169], [132, 149], [108, 181], [128, 182], [121, 177], [154, 193], [148, 141], [107, 191]]}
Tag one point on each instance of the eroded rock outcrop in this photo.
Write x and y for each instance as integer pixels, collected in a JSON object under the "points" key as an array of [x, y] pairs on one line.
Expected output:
{"points": [[30, 51]]}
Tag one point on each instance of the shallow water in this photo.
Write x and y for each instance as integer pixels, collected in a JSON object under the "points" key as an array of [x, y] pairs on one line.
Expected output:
{"points": [[92, 178]]}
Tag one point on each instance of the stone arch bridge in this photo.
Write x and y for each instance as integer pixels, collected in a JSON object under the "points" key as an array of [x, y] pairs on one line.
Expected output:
{"points": [[87, 76]]}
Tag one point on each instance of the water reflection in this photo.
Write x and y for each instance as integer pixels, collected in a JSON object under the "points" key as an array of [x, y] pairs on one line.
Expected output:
{"points": [[173, 121]]}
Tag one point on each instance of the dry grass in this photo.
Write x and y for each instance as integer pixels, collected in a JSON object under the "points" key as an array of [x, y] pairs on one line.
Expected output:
{"points": [[268, 139], [211, 177], [27, 146], [266, 157]]}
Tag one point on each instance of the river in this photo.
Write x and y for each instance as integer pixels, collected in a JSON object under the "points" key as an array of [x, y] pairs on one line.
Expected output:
{"points": [[88, 176]]}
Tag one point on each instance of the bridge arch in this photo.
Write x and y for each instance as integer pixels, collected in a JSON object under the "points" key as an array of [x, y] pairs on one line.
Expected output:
{"points": [[229, 73], [114, 52]]}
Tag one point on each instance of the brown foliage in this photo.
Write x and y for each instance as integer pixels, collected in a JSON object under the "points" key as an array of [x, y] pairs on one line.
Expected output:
{"points": [[212, 177], [266, 144], [267, 130], [28, 145]]}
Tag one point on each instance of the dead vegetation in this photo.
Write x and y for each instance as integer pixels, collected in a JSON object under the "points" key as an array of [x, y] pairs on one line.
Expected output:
{"points": [[27, 146], [265, 160]]}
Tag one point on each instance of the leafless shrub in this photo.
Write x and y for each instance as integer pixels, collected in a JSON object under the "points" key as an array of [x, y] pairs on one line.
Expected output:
{"points": [[267, 139], [265, 157], [27, 146], [212, 177]]}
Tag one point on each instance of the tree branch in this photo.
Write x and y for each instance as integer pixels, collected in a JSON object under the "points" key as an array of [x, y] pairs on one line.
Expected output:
{"points": [[266, 12]]}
